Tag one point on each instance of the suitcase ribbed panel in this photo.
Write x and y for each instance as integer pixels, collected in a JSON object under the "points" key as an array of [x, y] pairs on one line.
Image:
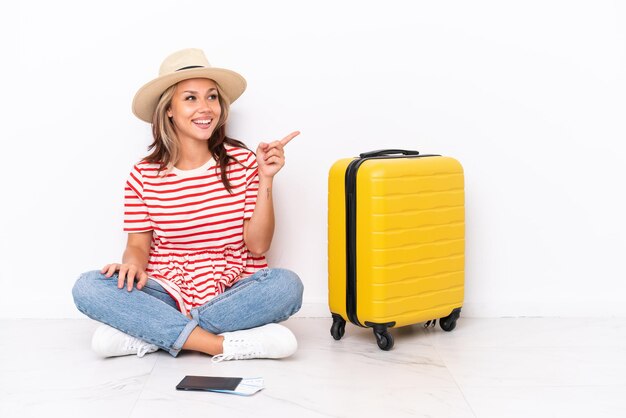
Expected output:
{"points": [[410, 239]]}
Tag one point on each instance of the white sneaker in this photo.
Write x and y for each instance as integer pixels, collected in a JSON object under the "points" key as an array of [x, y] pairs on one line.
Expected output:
{"points": [[109, 342], [268, 341]]}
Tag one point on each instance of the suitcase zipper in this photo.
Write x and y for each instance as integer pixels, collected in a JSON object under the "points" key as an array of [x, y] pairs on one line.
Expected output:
{"points": [[351, 240]]}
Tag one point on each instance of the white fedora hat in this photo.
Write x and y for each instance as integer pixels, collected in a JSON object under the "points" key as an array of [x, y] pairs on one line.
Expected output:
{"points": [[183, 65]]}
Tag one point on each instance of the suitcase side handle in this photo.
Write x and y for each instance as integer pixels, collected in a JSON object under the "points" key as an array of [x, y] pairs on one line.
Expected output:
{"points": [[381, 152]]}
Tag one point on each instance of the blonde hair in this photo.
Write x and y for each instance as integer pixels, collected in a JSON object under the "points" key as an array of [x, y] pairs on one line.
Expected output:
{"points": [[166, 146]]}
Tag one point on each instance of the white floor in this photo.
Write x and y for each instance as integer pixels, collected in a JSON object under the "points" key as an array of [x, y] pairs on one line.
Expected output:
{"points": [[528, 367]]}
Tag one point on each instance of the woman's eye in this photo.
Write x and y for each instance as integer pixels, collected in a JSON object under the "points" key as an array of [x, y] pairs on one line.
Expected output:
{"points": [[190, 98], [213, 97]]}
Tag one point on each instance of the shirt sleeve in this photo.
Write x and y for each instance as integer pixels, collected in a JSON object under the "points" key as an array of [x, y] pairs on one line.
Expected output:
{"points": [[252, 185], [136, 216]]}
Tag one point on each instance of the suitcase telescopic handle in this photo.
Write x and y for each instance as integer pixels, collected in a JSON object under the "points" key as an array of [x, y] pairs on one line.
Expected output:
{"points": [[380, 152]]}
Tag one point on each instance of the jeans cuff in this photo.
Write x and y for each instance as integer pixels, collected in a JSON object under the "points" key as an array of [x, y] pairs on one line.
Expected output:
{"points": [[180, 341]]}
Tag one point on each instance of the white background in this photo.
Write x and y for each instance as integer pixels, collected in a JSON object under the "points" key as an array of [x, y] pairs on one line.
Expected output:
{"points": [[528, 95]]}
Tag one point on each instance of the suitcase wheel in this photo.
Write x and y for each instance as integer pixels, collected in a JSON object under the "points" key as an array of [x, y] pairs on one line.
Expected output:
{"points": [[338, 328], [449, 322], [383, 339]]}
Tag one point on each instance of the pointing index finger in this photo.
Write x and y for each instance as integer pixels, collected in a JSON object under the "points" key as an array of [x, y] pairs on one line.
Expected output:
{"points": [[289, 137]]}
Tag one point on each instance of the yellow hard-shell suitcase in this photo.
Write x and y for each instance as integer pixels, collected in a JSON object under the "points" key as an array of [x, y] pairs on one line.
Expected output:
{"points": [[396, 241]]}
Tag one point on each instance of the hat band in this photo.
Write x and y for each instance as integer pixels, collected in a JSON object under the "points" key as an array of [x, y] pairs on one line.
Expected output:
{"points": [[189, 67]]}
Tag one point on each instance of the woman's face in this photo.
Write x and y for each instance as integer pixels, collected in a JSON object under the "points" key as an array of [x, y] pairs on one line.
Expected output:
{"points": [[195, 109]]}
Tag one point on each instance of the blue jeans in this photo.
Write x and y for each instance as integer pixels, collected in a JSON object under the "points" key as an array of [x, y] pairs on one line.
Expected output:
{"points": [[150, 314]]}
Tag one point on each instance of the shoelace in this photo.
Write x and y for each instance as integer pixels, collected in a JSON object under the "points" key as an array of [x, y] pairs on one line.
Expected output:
{"points": [[141, 347], [241, 350], [143, 350]]}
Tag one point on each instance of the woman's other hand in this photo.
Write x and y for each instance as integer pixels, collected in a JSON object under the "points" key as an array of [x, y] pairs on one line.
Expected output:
{"points": [[127, 273]]}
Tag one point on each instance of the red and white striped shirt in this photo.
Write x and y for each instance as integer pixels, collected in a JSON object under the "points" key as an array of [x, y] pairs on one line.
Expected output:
{"points": [[197, 248]]}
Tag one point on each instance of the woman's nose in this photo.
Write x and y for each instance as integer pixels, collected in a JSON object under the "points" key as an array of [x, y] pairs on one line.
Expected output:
{"points": [[205, 106]]}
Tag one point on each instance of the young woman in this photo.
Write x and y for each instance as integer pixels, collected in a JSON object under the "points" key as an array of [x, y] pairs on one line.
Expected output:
{"points": [[199, 217]]}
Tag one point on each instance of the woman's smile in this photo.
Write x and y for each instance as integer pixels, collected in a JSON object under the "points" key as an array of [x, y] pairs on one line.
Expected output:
{"points": [[203, 123]]}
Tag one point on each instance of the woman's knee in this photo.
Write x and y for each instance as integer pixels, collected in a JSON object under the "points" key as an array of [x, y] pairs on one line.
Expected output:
{"points": [[290, 286], [85, 287]]}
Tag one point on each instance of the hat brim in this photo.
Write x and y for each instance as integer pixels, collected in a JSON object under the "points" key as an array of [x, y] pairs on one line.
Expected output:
{"points": [[147, 97]]}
